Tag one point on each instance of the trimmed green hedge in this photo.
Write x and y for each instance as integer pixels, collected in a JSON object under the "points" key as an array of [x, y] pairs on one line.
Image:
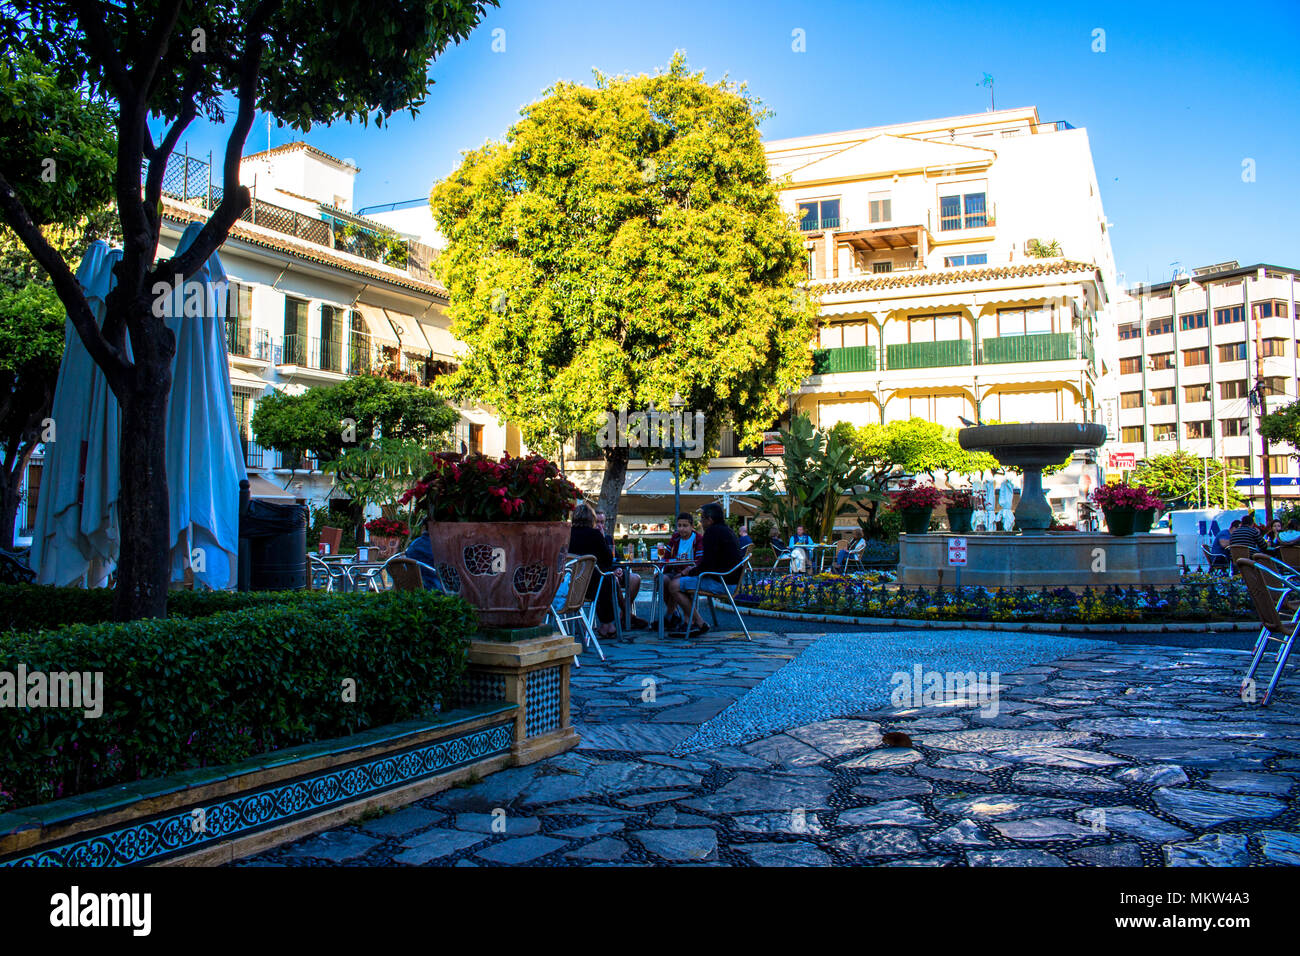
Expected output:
{"points": [[34, 607], [187, 693]]}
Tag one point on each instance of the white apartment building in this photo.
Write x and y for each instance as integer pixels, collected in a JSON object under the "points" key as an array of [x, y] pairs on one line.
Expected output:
{"points": [[317, 294], [1188, 354], [964, 270]]}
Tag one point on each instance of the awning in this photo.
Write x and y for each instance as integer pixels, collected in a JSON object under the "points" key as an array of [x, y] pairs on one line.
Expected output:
{"points": [[439, 337], [243, 380], [408, 330], [381, 330], [259, 487], [650, 492], [1274, 481]]}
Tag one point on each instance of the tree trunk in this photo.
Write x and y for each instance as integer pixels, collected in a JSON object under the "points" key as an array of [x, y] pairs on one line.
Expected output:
{"points": [[611, 486], [144, 566], [11, 480]]}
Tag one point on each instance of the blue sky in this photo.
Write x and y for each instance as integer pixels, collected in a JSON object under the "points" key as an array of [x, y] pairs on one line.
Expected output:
{"points": [[1181, 96]]}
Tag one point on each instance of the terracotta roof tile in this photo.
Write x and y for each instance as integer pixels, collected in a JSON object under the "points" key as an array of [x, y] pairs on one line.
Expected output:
{"points": [[924, 277]]}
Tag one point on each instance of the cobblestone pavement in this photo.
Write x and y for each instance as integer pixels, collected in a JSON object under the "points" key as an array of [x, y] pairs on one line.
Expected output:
{"points": [[1121, 755]]}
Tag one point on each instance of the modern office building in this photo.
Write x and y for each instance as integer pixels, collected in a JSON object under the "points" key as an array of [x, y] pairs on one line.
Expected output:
{"points": [[1189, 353]]}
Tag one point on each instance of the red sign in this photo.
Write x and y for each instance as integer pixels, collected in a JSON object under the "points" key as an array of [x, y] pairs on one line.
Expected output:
{"points": [[772, 444], [957, 552], [1123, 460]]}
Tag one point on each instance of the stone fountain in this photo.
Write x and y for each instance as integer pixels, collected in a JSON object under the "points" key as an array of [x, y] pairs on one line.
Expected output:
{"points": [[1033, 558]]}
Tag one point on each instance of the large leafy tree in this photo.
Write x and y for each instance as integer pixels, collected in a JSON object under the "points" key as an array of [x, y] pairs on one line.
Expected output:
{"points": [[161, 64], [904, 449], [330, 420], [623, 244], [1184, 481]]}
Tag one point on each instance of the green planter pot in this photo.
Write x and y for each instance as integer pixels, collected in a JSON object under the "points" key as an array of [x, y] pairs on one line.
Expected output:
{"points": [[1120, 521], [1143, 520], [959, 520], [916, 520]]}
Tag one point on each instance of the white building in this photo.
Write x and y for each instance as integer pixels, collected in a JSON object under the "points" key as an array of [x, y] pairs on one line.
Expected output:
{"points": [[1189, 352]]}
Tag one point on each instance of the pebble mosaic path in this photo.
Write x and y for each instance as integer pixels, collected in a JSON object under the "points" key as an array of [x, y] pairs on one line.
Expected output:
{"points": [[1117, 755]]}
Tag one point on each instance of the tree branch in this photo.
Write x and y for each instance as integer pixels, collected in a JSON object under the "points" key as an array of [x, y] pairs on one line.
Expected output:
{"points": [[102, 47], [69, 290], [155, 48]]}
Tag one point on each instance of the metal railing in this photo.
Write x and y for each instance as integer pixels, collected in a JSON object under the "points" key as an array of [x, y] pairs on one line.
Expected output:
{"points": [[248, 343], [310, 352], [819, 225], [1038, 347], [928, 354], [850, 358]]}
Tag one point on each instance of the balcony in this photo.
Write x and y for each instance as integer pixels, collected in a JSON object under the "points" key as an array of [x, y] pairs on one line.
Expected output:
{"points": [[243, 342], [819, 225], [1040, 347], [953, 352], [852, 358], [310, 352]]}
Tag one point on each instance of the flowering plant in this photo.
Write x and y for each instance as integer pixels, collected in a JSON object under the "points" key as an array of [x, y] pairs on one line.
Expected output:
{"points": [[388, 527], [960, 498], [479, 488], [912, 495], [1123, 495]]}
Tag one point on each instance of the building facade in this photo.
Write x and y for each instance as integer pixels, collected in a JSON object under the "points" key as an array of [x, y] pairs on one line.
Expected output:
{"points": [[1189, 353]]}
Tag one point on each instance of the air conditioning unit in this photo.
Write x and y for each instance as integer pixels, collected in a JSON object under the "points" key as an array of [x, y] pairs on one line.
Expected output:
{"points": [[1166, 437]]}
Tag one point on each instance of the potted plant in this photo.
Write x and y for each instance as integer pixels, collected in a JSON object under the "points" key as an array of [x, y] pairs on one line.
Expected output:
{"points": [[498, 532], [961, 505], [387, 534], [915, 503], [1145, 510], [1119, 503]]}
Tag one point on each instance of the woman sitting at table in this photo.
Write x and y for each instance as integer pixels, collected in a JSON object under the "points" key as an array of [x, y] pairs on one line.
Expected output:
{"points": [[585, 539], [799, 542]]}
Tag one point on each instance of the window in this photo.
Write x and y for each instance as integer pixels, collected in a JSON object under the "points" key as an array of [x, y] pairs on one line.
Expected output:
{"points": [[1272, 347], [1128, 331], [1274, 385], [295, 332], [1229, 315], [1161, 361], [881, 207], [331, 338], [1130, 400], [963, 211], [1130, 434], [1131, 365], [1193, 357], [1232, 427], [974, 259], [1233, 389], [1192, 320], [1196, 393], [945, 327], [1024, 321], [1240, 464], [1273, 309], [1279, 464], [1165, 432], [885, 266], [1162, 396], [239, 318], [1233, 353], [820, 214], [1161, 326], [475, 439], [1197, 429]]}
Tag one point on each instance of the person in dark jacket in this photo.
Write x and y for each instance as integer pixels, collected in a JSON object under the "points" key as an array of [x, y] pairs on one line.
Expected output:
{"points": [[421, 550], [721, 554], [585, 538]]}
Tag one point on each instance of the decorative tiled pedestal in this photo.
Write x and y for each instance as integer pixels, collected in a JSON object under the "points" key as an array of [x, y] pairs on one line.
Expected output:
{"points": [[533, 674]]}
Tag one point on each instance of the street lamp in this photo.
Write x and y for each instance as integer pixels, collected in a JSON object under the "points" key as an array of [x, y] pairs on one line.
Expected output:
{"points": [[677, 403]]}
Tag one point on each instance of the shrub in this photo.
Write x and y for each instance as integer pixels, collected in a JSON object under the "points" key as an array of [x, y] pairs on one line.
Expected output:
{"points": [[761, 532], [912, 495], [187, 693], [761, 557]]}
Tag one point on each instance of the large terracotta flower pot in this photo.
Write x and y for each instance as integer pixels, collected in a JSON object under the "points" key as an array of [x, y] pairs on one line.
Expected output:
{"points": [[1119, 521], [959, 520], [916, 520], [509, 570], [1143, 520]]}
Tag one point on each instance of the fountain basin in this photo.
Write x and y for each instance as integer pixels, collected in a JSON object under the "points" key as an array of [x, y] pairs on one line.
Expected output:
{"points": [[1069, 559]]}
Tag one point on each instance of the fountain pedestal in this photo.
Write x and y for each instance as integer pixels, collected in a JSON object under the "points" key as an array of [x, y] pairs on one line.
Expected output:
{"points": [[1067, 559]]}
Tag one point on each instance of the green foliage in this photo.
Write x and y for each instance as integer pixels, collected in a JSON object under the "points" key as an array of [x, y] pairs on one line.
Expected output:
{"points": [[57, 146], [1180, 480], [624, 243], [378, 473], [1044, 250], [820, 479], [183, 693], [913, 447], [761, 532], [315, 420], [1283, 426]]}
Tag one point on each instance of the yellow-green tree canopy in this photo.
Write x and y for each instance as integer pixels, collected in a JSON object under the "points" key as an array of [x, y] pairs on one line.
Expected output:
{"points": [[914, 447], [1184, 481], [625, 243]]}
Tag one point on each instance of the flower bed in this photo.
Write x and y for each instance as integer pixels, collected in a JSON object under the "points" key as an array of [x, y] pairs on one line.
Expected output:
{"points": [[182, 694], [1197, 597]]}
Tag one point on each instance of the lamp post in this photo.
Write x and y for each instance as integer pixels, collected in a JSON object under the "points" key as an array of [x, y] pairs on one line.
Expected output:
{"points": [[677, 403]]}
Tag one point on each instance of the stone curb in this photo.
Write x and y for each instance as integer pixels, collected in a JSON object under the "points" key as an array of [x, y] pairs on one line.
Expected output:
{"points": [[1181, 627]]}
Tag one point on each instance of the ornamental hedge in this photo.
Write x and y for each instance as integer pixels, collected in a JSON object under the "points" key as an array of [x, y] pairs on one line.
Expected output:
{"points": [[184, 693]]}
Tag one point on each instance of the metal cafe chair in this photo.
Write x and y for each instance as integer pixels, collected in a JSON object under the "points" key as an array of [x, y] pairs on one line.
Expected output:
{"points": [[1277, 603], [721, 578], [326, 575], [574, 611], [406, 574], [611, 579], [1215, 562]]}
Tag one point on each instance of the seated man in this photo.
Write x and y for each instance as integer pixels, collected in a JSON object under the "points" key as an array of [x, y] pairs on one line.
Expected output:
{"points": [[857, 544], [421, 550], [721, 554], [799, 541]]}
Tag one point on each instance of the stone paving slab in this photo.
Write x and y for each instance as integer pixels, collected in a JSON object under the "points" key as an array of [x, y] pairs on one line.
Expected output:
{"points": [[1132, 755]]}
